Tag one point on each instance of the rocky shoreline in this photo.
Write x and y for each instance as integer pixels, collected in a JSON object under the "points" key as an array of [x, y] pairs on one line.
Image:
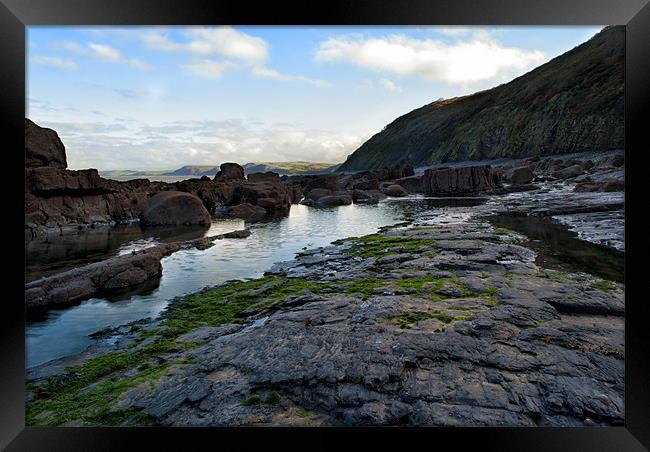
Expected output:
{"points": [[113, 276], [442, 320], [446, 321]]}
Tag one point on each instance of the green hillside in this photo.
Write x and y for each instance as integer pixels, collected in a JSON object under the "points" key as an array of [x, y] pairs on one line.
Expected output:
{"points": [[573, 103]]}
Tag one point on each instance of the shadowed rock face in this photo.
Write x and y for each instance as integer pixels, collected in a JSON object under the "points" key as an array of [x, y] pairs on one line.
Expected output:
{"points": [[230, 171], [395, 190], [247, 212], [469, 179], [43, 147], [174, 208]]}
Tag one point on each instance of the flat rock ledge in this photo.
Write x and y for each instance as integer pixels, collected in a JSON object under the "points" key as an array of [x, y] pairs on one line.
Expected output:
{"points": [[112, 276], [431, 325]]}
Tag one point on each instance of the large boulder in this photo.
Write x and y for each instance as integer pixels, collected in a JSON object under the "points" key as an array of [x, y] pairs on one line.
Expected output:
{"points": [[611, 161], [603, 186], [333, 200], [367, 196], [43, 147], [329, 182], [247, 212], [269, 176], [230, 171], [395, 190], [269, 192], [366, 183], [174, 208], [569, 172], [316, 193], [522, 175], [412, 184], [211, 193]]}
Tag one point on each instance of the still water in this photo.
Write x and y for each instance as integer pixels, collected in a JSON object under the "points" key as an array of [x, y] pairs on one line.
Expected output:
{"points": [[561, 249], [63, 332]]}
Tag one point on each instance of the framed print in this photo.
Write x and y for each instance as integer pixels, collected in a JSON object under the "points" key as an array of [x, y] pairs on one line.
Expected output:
{"points": [[325, 221]]}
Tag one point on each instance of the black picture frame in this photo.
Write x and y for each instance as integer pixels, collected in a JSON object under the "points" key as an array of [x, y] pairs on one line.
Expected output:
{"points": [[16, 15]]}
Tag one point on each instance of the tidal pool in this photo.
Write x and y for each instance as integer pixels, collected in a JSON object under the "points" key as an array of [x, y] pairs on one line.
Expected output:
{"points": [[560, 249], [61, 332]]}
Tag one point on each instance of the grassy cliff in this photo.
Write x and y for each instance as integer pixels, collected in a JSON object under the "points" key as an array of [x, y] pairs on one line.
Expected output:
{"points": [[573, 103]]}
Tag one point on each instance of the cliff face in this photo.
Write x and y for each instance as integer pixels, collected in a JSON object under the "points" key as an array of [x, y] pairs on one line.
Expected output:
{"points": [[573, 103]]}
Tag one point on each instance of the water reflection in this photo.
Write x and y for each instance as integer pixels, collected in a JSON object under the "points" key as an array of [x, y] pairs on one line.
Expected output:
{"points": [[65, 331], [560, 249]]}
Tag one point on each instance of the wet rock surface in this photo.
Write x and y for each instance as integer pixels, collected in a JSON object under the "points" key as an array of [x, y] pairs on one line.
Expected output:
{"points": [[138, 270], [434, 324]]}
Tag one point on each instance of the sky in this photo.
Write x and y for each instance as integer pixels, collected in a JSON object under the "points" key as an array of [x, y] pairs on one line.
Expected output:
{"points": [[151, 98]]}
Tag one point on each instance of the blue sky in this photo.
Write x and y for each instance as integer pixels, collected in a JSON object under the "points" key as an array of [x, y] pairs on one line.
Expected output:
{"points": [[159, 98]]}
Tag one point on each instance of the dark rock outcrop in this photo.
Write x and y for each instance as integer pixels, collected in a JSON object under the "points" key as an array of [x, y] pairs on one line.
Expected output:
{"points": [[174, 208], [468, 179], [341, 199], [395, 190], [367, 196], [269, 176], [569, 172], [247, 212], [613, 161], [605, 186], [43, 147], [230, 171], [521, 175], [60, 201]]}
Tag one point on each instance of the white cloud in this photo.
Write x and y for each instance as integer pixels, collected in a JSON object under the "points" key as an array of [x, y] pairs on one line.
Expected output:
{"points": [[54, 62], [390, 85], [137, 145], [260, 71], [208, 68], [107, 53], [464, 62], [224, 41], [251, 51]]}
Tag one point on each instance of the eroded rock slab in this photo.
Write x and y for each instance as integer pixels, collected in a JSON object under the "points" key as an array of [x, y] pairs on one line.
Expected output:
{"points": [[439, 324]]}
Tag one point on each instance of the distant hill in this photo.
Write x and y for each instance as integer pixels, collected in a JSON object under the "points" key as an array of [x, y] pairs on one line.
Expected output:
{"points": [[289, 168], [282, 168], [573, 103]]}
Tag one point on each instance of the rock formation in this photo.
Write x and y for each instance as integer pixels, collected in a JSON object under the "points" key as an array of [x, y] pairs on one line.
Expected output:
{"points": [[174, 208], [230, 171], [58, 200], [43, 147], [111, 276]]}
